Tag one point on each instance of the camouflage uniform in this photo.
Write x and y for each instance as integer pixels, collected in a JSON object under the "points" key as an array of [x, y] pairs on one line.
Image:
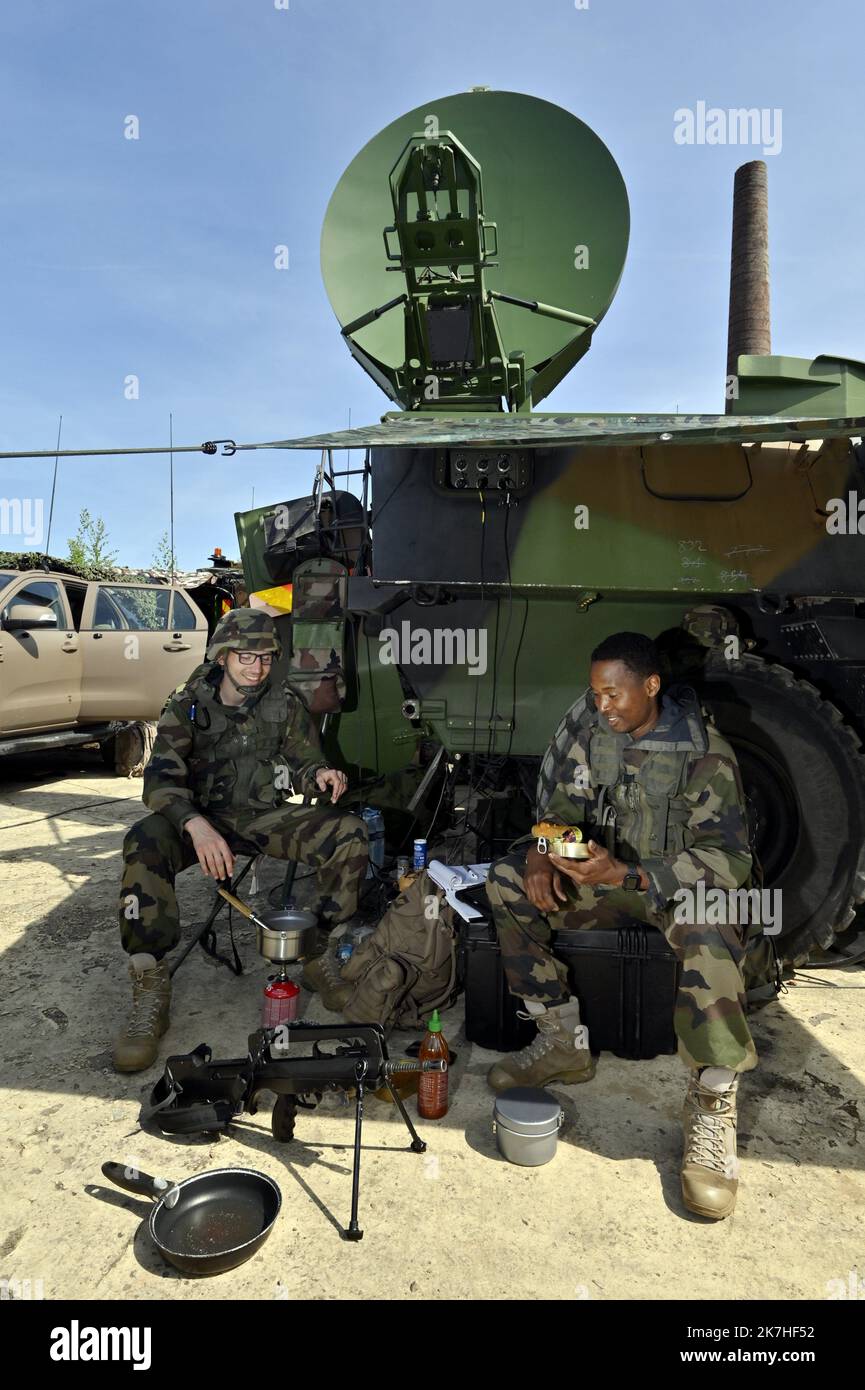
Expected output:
{"points": [[671, 801], [236, 766]]}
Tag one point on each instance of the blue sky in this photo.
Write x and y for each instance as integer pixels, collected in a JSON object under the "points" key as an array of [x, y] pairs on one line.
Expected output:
{"points": [[155, 257]]}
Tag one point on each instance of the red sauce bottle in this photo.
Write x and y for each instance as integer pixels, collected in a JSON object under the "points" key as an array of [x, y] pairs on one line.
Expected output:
{"points": [[432, 1088]]}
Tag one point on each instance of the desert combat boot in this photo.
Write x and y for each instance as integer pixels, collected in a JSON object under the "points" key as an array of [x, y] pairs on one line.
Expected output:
{"points": [[558, 1053], [321, 976], [136, 1048], [710, 1168]]}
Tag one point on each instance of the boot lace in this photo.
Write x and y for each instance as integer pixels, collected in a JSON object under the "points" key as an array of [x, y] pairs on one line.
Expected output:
{"points": [[706, 1144], [146, 1004], [329, 967], [548, 1034], [534, 1050]]}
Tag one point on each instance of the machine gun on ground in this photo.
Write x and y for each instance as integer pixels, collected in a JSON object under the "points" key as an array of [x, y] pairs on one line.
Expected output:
{"points": [[196, 1095]]}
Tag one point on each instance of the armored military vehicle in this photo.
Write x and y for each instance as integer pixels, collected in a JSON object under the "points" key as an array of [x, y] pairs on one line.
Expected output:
{"points": [[445, 591]]}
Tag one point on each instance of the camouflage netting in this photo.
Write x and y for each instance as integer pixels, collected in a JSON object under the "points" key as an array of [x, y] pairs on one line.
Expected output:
{"points": [[29, 560]]}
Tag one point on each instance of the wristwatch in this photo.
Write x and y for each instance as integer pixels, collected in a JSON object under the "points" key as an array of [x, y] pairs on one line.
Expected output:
{"points": [[631, 882]]}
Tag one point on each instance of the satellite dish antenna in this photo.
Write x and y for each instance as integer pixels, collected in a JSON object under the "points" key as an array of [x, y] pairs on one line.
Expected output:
{"points": [[472, 247]]}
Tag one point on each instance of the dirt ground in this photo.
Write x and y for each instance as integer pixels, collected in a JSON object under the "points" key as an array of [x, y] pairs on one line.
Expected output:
{"points": [[604, 1220]]}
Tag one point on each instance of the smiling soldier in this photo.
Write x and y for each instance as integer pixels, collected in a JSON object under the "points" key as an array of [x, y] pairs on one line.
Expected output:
{"points": [[231, 746], [666, 788]]}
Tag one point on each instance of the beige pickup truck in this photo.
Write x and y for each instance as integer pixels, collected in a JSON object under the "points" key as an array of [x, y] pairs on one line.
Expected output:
{"points": [[79, 659]]}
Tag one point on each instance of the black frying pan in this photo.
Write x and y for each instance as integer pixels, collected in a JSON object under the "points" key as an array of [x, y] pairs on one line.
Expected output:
{"points": [[208, 1223]]}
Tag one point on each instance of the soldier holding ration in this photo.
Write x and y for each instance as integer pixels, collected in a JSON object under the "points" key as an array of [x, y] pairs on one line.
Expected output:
{"points": [[657, 775]]}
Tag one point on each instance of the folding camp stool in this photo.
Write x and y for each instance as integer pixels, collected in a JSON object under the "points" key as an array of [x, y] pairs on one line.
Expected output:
{"points": [[205, 935]]}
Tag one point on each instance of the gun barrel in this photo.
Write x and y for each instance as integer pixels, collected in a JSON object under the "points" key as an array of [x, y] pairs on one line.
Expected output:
{"points": [[429, 1064]]}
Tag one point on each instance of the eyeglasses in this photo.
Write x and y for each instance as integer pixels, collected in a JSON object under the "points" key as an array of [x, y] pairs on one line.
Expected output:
{"points": [[250, 658]]}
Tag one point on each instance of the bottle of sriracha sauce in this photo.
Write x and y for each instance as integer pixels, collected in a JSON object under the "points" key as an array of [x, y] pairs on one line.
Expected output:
{"points": [[432, 1089]]}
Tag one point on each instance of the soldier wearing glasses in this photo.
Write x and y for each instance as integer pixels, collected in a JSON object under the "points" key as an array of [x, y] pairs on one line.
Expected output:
{"points": [[231, 747]]}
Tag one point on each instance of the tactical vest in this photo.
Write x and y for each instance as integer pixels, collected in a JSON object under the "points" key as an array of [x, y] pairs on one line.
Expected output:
{"points": [[234, 762], [642, 813]]}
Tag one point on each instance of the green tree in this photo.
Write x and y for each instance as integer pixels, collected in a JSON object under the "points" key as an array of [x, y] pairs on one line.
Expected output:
{"points": [[78, 542], [89, 546], [163, 558]]}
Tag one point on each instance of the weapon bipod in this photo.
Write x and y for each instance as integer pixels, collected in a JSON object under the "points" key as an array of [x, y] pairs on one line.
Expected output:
{"points": [[361, 1060]]}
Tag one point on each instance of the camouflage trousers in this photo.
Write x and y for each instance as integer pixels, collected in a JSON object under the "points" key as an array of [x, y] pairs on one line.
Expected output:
{"points": [[709, 1015], [333, 842]]}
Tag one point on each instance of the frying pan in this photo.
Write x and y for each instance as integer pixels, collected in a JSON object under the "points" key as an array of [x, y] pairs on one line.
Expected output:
{"points": [[208, 1223]]}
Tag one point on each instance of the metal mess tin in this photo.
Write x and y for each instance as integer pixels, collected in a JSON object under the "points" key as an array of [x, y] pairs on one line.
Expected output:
{"points": [[569, 843], [526, 1123], [569, 849]]}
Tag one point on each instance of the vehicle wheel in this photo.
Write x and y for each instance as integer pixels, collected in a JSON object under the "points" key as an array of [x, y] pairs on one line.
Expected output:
{"points": [[804, 775], [108, 751], [282, 1119]]}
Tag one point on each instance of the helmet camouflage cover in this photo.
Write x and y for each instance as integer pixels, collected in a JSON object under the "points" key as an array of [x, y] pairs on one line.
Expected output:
{"points": [[244, 630]]}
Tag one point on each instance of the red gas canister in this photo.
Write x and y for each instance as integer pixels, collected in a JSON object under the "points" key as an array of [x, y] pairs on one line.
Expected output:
{"points": [[279, 1004]]}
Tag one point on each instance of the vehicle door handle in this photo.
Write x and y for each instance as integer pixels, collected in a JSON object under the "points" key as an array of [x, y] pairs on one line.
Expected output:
{"points": [[175, 646], [69, 647], [97, 636]]}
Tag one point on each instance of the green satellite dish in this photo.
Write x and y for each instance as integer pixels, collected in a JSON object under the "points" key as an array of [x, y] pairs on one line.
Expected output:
{"points": [[472, 247]]}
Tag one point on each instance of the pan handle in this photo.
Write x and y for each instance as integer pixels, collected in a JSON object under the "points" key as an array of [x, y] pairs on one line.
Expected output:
{"points": [[143, 1185], [245, 911]]}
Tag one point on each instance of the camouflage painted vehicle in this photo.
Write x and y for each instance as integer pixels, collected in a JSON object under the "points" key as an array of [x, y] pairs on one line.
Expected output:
{"points": [[454, 604]]}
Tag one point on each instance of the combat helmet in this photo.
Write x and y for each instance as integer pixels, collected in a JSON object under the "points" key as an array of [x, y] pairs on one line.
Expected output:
{"points": [[244, 630]]}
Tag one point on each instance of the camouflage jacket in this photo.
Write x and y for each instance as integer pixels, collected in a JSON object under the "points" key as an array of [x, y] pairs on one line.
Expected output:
{"points": [[671, 801], [210, 758]]}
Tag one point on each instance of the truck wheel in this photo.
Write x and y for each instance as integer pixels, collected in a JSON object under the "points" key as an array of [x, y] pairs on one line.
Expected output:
{"points": [[804, 775], [108, 749], [282, 1119]]}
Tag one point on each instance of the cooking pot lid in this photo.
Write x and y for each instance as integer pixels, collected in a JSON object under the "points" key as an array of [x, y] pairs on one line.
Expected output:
{"points": [[527, 1110]]}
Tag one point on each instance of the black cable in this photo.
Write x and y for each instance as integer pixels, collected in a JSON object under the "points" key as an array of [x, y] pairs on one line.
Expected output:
{"points": [[493, 711], [397, 485], [473, 752], [353, 633], [372, 699], [492, 716], [438, 804], [53, 815], [509, 582], [520, 639], [415, 818]]}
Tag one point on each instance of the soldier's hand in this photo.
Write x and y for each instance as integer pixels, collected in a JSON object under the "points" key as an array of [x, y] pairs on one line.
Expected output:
{"points": [[333, 778], [601, 867], [543, 883], [214, 855]]}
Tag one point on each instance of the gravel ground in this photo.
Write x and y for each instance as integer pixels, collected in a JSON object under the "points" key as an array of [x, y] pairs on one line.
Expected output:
{"points": [[604, 1220]]}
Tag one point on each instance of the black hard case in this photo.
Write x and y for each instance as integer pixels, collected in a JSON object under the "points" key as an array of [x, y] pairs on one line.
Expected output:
{"points": [[625, 978]]}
